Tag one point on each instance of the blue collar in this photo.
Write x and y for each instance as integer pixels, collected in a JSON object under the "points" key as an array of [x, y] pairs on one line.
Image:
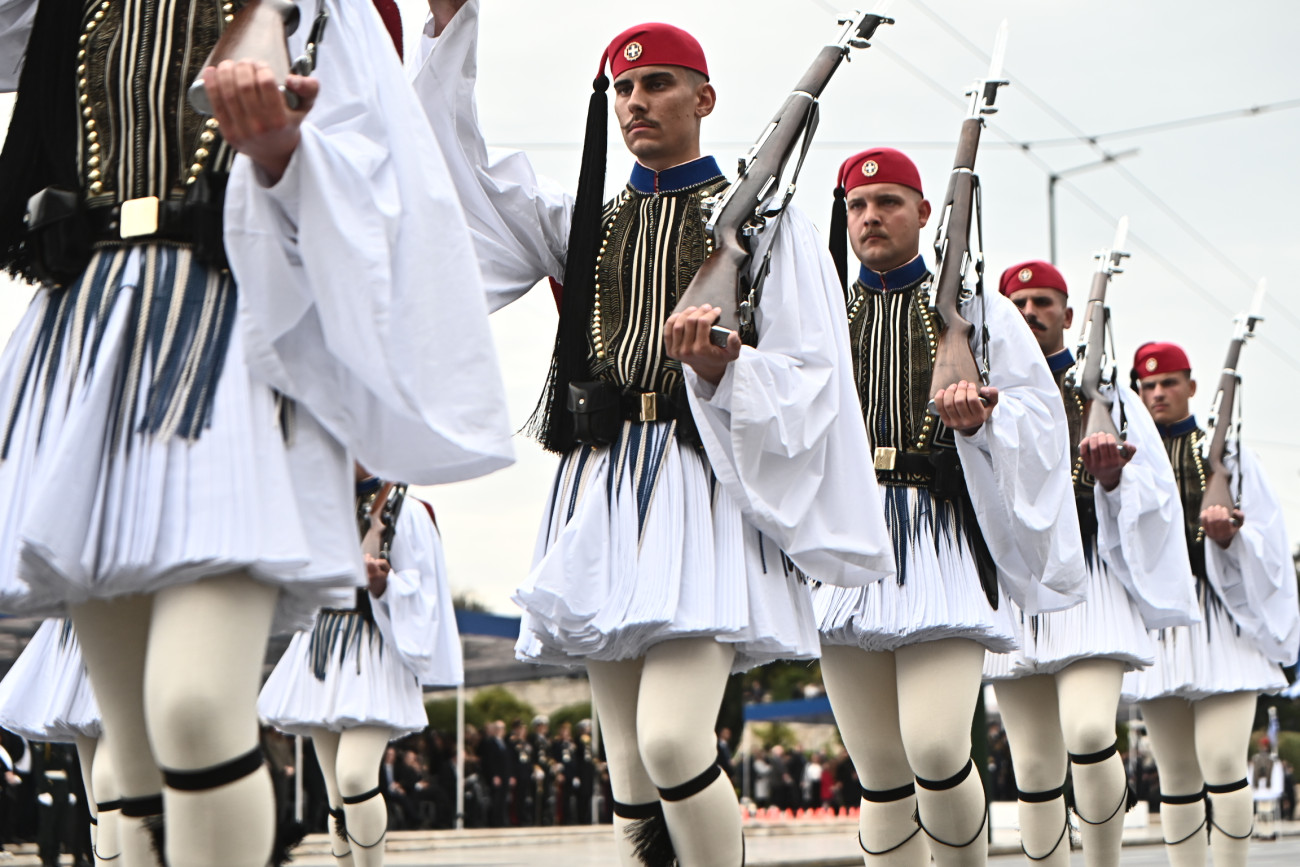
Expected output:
{"points": [[904, 275], [1059, 361], [1178, 428], [671, 180]]}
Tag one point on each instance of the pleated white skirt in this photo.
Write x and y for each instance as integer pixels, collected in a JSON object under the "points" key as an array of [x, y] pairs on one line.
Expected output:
{"points": [[1106, 625], [641, 545], [1207, 658], [46, 696], [937, 593], [364, 682], [93, 505]]}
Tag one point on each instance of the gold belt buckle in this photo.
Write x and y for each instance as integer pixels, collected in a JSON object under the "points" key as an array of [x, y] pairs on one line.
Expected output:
{"points": [[650, 406], [886, 457], [138, 217]]}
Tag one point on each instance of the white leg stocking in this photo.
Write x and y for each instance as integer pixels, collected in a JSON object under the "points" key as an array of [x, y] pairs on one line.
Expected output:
{"points": [[1171, 727], [114, 637], [207, 641], [938, 688], [103, 829], [864, 694], [1223, 724], [326, 746], [615, 687], [1089, 693], [658, 715], [359, 753], [1030, 714], [682, 683]]}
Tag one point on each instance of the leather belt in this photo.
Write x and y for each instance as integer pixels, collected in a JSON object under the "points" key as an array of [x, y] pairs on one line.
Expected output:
{"points": [[147, 217], [648, 406]]}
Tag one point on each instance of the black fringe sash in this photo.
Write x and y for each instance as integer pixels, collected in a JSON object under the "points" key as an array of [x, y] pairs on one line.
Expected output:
{"points": [[180, 319], [102, 108], [338, 631], [893, 340]]}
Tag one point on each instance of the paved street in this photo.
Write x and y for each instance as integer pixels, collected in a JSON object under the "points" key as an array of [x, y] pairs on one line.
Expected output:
{"points": [[803, 845]]}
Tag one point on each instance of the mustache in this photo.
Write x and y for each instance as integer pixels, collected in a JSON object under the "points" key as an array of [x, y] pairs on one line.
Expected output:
{"points": [[1035, 324], [638, 120]]}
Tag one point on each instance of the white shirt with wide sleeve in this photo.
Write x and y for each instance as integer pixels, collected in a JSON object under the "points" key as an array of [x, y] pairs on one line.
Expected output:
{"points": [[1018, 467], [415, 615], [1140, 524], [359, 289], [1255, 575], [784, 430]]}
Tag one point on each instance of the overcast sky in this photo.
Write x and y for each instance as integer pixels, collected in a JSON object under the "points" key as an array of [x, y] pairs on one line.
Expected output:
{"points": [[1077, 67]]}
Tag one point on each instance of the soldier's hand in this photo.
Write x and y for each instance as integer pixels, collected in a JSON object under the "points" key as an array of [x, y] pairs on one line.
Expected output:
{"points": [[686, 337], [253, 115], [965, 407], [443, 11], [377, 575], [1103, 458], [1220, 524]]}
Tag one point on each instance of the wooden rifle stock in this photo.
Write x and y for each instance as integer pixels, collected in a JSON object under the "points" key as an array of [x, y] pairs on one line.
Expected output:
{"points": [[259, 31], [738, 225], [954, 361], [1097, 419], [1217, 489]]}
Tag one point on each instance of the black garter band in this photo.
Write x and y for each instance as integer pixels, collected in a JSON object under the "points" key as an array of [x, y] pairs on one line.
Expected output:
{"points": [[1044, 797], [885, 796], [691, 787], [141, 808], [889, 796], [215, 776], [951, 783]]}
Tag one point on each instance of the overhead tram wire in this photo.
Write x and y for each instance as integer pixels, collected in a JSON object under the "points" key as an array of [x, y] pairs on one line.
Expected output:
{"points": [[1167, 125], [1092, 141], [1092, 204]]}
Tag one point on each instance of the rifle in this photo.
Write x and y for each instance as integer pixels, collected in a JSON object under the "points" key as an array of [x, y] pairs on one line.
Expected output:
{"points": [[1225, 412], [1091, 355], [261, 31], [378, 541], [954, 361], [741, 224]]}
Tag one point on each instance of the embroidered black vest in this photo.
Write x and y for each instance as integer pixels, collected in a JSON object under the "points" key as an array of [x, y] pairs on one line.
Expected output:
{"points": [[1184, 451], [1084, 482], [893, 338], [135, 62], [653, 245]]}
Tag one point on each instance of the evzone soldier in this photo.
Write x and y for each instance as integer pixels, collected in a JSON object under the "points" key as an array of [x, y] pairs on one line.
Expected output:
{"points": [[1059, 692], [353, 682], [902, 658], [685, 508], [204, 385], [46, 697], [1198, 699]]}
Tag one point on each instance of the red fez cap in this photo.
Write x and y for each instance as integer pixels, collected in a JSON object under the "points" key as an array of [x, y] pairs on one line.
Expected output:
{"points": [[392, 18], [653, 45], [879, 166], [1153, 358], [1034, 274]]}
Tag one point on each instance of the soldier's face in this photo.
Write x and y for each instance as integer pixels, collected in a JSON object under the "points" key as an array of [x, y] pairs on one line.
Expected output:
{"points": [[885, 222], [1168, 396], [1047, 315], [659, 109]]}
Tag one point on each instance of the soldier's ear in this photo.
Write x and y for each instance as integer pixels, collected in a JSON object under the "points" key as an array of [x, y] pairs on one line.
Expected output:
{"points": [[1191, 386], [1069, 316]]}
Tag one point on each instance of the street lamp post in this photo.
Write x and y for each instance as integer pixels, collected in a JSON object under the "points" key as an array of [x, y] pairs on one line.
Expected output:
{"points": [[1064, 173]]}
